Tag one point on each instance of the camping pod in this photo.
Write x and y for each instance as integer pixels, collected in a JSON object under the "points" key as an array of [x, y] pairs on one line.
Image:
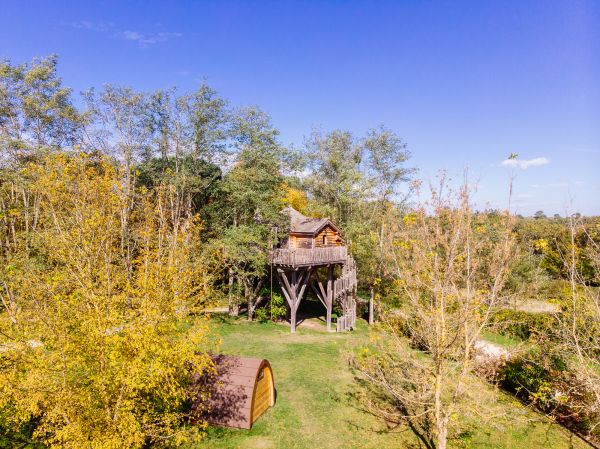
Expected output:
{"points": [[240, 392]]}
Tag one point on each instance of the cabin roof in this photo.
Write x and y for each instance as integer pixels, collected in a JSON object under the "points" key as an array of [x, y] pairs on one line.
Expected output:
{"points": [[301, 224]]}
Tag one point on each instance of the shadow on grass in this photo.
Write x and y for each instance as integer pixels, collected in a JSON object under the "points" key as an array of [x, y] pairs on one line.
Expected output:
{"points": [[401, 422]]}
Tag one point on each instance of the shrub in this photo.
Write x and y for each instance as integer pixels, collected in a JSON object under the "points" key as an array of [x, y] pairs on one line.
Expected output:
{"points": [[277, 307], [542, 378], [261, 315], [273, 310], [523, 325]]}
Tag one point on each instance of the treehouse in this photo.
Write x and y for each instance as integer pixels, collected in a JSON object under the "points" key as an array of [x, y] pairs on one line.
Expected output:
{"points": [[315, 245]]}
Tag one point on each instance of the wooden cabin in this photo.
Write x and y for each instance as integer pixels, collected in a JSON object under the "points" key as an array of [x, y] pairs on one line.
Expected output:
{"points": [[310, 233], [240, 392]]}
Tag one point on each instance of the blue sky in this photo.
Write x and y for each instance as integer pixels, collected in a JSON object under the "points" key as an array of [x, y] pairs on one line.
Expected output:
{"points": [[464, 83]]}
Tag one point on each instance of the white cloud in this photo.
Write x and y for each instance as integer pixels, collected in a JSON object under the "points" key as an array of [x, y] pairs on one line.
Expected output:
{"points": [[148, 39], [143, 39], [92, 26], [524, 164]]}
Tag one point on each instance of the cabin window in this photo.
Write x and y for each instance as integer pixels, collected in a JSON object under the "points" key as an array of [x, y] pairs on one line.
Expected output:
{"points": [[324, 239]]}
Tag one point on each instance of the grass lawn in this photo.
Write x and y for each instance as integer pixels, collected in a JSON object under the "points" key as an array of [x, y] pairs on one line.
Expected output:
{"points": [[503, 340], [314, 408]]}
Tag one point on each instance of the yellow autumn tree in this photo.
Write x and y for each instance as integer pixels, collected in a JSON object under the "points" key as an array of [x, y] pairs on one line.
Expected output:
{"points": [[96, 352], [295, 198]]}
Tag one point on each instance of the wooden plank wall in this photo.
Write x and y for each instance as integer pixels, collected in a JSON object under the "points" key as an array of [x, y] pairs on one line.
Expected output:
{"points": [[331, 237], [263, 394], [301, 242]]}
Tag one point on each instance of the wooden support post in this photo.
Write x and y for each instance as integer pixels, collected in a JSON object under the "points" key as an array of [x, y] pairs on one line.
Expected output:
{"points": [[288, 292], [294, 299], [320, 297], [329, 295], [293, 285]]}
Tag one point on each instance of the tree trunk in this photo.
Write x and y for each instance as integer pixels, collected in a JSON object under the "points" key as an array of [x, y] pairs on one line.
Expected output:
{"points": [[235, 302], [249, 300], [371, 299], [230, 292], [253, 298], [442, 434], [441, 420]]}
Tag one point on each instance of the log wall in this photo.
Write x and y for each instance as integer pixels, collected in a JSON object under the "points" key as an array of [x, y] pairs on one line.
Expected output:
{"points": [[328, 237]]}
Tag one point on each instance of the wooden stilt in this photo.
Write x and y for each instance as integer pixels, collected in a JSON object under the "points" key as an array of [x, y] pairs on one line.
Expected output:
{"points": [[293, 285], [314, 286], [329, 295], [295, 278], [286, 288], [294, 300]]}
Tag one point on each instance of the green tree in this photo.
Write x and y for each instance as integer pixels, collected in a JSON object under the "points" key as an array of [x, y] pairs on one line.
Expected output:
{"points": [[335, 181], [252, 200], [36, 111]]}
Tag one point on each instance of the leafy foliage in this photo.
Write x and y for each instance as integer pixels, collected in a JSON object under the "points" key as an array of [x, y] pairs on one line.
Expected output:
{"points": [[523, 325], [93, 350], [542, 378]]}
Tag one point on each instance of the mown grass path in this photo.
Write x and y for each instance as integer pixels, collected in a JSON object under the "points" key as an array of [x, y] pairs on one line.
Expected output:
{"points": [[314, 408]]}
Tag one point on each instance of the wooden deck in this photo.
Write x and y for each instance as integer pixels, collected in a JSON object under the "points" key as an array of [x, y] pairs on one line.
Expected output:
{"points": [[309, 257]]}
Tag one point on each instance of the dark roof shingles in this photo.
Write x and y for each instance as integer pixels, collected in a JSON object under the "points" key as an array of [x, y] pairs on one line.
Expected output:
{"points": [[303, 224]]}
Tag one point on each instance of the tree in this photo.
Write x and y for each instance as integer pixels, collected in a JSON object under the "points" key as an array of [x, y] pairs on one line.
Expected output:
{"points": [[210, 117], [539, 215], [36, 117], [251, 202], [36, 111], [92, 353], [335, 182], [118, 125], [579, 328], [193, 185], [386, 157], [358, 182], [451, 265]]}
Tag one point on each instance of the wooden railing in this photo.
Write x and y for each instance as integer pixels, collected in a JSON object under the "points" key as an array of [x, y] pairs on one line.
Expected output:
{"points": [[304, 257], [344, 284], [347, 281], [348, 320]]}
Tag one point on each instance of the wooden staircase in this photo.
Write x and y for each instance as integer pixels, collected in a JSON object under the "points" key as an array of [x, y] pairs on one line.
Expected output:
{"points": [[344, 291], [348, 320]]}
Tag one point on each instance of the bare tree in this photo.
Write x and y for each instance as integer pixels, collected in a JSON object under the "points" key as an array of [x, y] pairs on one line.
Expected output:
{"points": [[451, 264], [580, 322]]}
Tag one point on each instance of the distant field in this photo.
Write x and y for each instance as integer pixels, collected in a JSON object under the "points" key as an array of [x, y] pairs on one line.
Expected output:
{"points": [[314, 408]]}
